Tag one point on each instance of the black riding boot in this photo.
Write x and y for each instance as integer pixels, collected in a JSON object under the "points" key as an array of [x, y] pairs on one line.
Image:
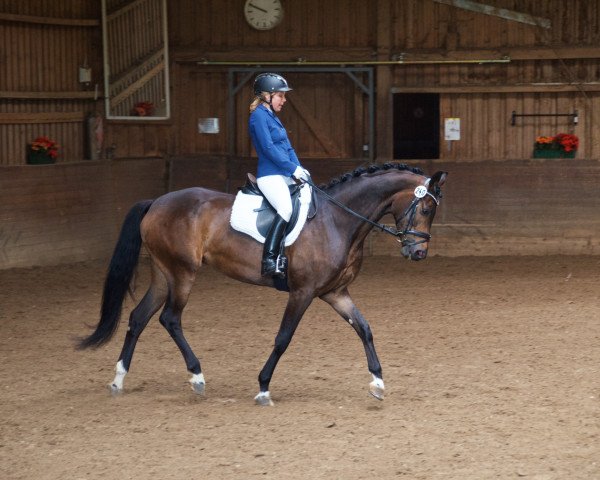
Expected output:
{"points": [[273, 261]]}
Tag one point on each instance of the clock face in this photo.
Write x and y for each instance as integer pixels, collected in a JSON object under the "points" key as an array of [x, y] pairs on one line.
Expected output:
{"points": [[263, 14]]}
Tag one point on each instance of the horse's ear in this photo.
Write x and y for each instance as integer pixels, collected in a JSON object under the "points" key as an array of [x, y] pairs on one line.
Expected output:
{"points": [[438, 179]]}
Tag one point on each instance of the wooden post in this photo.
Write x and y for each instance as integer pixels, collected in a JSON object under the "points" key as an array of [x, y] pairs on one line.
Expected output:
{"points": [[384, 120]]}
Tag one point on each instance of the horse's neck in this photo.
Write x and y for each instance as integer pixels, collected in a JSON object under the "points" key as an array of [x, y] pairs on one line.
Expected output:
{"points": [[372, 196]]}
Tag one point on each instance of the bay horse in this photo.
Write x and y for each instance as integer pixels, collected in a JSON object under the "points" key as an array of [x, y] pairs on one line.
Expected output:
{"points": [[184, 229]]}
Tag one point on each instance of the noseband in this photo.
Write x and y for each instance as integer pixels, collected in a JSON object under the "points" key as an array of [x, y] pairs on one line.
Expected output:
{"points": [[420, 193], [400, 235]]}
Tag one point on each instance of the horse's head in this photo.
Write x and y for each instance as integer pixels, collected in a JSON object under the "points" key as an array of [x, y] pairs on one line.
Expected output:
{"points": [[413, 211]]}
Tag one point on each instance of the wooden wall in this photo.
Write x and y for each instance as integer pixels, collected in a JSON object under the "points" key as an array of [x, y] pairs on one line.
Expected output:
{"points": [[71, 212], [551, 70], [499, 201], [44, 43]]}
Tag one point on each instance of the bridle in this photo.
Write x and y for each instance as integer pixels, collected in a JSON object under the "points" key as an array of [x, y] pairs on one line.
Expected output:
{"points": [[401, 235]]}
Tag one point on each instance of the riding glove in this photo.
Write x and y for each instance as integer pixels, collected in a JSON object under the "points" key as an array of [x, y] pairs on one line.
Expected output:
{"points": [[301, 174]]}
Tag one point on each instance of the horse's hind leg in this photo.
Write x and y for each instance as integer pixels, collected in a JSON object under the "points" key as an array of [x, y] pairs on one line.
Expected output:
{"points": [[170, 318], [342, 303], [140, 316]]}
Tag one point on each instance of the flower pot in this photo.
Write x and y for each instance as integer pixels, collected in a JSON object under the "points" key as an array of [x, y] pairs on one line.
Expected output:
{"points": [[35, 157], [554, 154]]}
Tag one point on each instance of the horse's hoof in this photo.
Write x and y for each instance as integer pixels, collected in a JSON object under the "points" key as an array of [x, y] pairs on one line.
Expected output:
{"points": [[198, 388], [115, 391], [197, 383], [264, 399], [377, 389]]}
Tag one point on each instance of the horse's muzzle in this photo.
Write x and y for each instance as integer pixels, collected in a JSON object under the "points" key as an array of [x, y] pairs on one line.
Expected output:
{"points": [[414, 252]]}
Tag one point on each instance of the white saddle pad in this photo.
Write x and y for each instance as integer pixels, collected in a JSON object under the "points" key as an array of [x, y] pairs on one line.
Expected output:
{"points": [[244, 214]]}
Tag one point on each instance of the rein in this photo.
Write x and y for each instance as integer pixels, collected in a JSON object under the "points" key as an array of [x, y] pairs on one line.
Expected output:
{"points": [[420, 193]]}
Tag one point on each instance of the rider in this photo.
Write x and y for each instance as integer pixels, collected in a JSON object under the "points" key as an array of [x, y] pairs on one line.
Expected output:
{"points": [[278, 165]]}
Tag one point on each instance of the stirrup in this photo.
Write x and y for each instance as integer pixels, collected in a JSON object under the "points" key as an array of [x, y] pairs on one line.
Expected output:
{"points": [[280, 265], [274, 267]]}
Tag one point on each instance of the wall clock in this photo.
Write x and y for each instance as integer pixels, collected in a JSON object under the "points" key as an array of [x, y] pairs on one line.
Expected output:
{"points": [[263, 14]]}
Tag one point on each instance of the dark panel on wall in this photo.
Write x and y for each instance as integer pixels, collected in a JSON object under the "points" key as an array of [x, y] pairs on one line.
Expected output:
{"points": [[416, 125]]}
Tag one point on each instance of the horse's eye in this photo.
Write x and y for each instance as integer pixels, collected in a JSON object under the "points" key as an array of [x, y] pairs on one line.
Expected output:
{"points": [[426, 211]]}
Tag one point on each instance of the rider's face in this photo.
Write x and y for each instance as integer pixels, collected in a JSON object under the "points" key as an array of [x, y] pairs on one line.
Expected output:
{"points": [[277, 101]]}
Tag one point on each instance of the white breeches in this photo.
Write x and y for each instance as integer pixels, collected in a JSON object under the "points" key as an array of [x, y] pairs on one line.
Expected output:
{"points": [[275, 189]]}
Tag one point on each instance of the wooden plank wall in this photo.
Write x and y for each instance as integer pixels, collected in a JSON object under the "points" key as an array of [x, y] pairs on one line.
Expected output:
{"points": [[63, 213], [45, 43], [498, 200], [517, 207], [72, 212], [551, 70], [488, 207], [484, 96]]}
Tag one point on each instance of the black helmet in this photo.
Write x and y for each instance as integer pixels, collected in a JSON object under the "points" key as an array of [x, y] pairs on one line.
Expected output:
{"points": [[270, 82]]}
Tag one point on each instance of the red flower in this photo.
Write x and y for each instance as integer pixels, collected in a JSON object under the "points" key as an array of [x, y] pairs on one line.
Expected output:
{"points": [[567, 141], [142, 109], [43, 144], [563, 141]]}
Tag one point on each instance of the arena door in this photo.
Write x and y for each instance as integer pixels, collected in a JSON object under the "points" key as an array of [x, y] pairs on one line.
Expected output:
{"points": [[416, 125]]}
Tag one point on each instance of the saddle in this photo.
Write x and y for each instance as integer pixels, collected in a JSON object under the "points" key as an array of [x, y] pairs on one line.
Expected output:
{"points": [[266, 212], [253, 214]]}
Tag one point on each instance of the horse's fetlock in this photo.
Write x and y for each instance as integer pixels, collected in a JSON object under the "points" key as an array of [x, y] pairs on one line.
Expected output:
{"points": [[194, 367]]}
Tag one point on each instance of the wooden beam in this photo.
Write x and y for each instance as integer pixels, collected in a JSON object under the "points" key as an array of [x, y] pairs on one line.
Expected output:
{"points": [[124, 77], [83, 95], [364, 56], [497, 12], [194, 55], [70, 22], [135, 86], [556, 53], [512, 53], [525, 88], [124, 9], [315, 127], [41, 117]]}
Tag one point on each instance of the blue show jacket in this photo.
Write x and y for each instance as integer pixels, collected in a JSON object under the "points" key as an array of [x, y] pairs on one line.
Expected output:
{"points": [[276, 156]]}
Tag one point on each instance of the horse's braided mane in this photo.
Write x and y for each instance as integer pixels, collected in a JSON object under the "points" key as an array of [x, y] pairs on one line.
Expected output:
{"points": [[370, 169]]}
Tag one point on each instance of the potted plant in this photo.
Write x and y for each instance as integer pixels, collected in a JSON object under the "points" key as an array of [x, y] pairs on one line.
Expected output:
{"points": [[143, 109], [42, 150], [563, 145]]}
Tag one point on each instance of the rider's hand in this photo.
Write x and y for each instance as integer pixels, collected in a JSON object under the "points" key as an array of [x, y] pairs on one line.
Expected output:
{"points": [[300, 174]]}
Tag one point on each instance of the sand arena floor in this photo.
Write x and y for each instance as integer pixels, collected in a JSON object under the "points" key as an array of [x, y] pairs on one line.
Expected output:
{"points": [[492, 369]]}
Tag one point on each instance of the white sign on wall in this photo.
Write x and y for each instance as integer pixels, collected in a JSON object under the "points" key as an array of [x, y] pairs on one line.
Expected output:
{"points": [[452, 129]]}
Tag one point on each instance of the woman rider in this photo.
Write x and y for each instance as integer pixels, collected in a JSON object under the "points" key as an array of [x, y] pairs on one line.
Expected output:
{"points": [[278, 165]]}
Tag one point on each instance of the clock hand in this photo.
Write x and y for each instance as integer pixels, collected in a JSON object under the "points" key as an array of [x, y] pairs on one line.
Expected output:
{"points": [[258, 8]]}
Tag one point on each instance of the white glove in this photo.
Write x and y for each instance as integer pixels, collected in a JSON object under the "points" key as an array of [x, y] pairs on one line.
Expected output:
{"points": [[301, 174]]}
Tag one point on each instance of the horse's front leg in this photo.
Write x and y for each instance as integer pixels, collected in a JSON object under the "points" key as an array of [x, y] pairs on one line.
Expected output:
{"points": [[297, 304], [343, 304]]}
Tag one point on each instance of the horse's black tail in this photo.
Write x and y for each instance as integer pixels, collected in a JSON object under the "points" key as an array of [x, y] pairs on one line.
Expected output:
{"points": [[120, 272]]}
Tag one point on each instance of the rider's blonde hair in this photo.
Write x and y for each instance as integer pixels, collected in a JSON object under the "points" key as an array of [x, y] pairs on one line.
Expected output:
{"points": [[258, 100]]}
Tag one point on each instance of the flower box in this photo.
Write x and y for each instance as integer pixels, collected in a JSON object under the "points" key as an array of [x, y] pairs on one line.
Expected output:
{"points": [[38, 157], [553, 154], [563, 145], [42, 150]]}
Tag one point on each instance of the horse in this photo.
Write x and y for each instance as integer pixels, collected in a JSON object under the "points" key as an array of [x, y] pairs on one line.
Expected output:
{"points": [[184, 229]]}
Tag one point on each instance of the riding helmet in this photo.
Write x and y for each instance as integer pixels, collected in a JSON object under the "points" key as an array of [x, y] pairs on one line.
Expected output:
{"points": [[270, 82]]}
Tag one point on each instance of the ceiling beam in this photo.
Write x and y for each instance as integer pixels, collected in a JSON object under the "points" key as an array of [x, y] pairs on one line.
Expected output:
{"points": [[497, 12]]}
